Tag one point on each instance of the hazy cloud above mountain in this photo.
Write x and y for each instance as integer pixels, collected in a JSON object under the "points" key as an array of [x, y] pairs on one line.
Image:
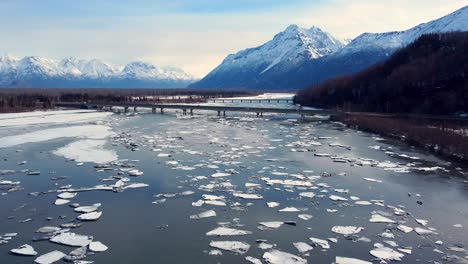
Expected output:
{"points": [[195, 35]]}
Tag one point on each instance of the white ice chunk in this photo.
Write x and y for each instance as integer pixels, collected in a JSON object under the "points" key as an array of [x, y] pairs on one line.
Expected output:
{"points": [[343, 260], [93, 216], [376, 218], [233, 246], [385, 253], [50, 257], [279, 257], [225, 231], [72, 239], [302, 247], [320, 242], [97, 246], [346, 230], [25, 250]]}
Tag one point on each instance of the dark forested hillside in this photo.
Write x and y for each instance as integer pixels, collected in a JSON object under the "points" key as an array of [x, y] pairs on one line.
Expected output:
{"points": [[429, 76]]}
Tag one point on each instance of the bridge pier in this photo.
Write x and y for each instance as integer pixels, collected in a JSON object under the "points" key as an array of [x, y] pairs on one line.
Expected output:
{"points": [[224, 113], [261, 114], [184, 111], [269, 101], [162, 110], [126, 109], [219, 113], [134, 109], [153, 110], [191, 112], [232, 101]]}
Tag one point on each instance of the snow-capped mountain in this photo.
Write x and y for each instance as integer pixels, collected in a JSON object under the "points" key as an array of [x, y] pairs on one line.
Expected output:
{"points": [[287, 49], [33, 71], [297, 58], [456, 21]]}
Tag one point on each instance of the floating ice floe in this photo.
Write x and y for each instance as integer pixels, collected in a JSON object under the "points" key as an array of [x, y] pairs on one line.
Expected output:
{"points": [[72, 239], [272, 224], [305, 216], [346, 230], [61, 201], [377, 218], [97, 246], [248, 196], [253, 260], [405, 229], [422, 231], [50, 257], [385, 253], [225, 231], [220, 174], [302, 247], [66, 195], [307, 194], [337, 198], [343, 260], [422, 222], [289, 210], [88, 151], [320, 242], [233, 246], [87, 209], [93, 216], [279, 257], [272, 204], [363, 203], [372, 180], [205, 214], [48, 229], [24, 250]]}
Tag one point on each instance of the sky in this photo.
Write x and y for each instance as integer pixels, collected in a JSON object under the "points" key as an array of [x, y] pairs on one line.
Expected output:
{"points": [[195, 35]]}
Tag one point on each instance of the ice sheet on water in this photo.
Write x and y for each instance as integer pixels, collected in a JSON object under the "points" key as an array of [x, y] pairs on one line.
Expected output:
{"points": [[85, 131], [272, 204], [87, 151], [305, 216], [289, 210]]}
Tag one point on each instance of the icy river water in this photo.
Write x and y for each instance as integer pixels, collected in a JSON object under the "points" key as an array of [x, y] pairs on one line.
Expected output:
{"points": [[169, 188]]}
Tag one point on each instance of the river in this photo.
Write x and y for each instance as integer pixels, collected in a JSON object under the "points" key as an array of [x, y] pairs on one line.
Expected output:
{"points": [[332, 191]]}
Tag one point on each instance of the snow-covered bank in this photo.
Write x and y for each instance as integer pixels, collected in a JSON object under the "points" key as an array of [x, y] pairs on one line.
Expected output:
{"points": [[51, 117], [84, 131]]}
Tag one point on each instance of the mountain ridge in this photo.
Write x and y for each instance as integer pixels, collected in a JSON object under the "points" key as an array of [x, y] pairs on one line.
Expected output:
{"points": [[35, 71]]}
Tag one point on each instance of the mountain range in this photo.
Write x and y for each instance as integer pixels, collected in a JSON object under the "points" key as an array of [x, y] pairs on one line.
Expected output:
{"points": [[297, 58], [35, 71]]}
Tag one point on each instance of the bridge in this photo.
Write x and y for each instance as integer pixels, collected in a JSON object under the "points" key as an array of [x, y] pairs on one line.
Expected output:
{"points": [[232, 100], [189, 108]]}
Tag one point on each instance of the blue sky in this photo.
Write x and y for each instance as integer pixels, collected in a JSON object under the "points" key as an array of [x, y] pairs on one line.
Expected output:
{"points": [[194, 35]]}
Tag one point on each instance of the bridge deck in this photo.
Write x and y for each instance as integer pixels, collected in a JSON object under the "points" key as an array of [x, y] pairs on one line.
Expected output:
{"points": [[192, 107]]}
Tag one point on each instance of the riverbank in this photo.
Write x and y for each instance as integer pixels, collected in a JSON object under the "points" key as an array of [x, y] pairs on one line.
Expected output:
{"points": [[448, 139]]}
